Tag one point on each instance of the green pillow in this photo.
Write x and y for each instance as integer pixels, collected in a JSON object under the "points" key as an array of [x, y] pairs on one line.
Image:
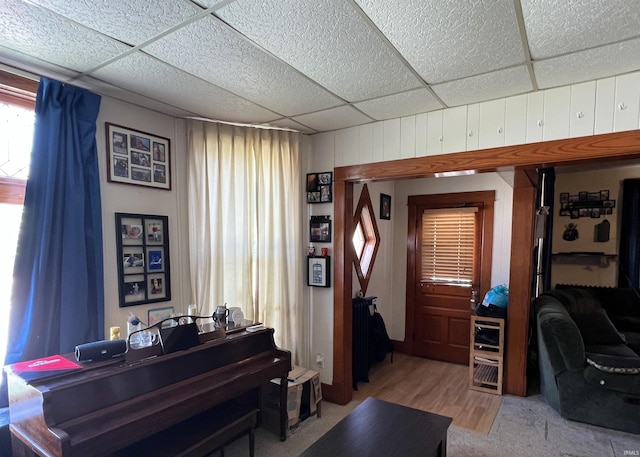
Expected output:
{"points": [[596, 328]]}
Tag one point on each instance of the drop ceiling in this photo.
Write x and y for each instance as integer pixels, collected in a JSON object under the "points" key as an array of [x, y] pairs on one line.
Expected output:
{"points": [[318, 65]]}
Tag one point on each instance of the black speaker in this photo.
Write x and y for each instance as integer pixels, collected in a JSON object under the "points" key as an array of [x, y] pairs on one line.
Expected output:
{"points": [[100, 350]]}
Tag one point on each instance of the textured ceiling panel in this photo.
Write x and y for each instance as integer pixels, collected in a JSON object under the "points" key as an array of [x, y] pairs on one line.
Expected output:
{"points": [[147, 76], [333, 119], [450, 40], [213, 52], [108, 90], [290, 124], [143, 19], [559, 26], [42, 34], [398, 105], [595, 63], [502, 83], [326, 40]]}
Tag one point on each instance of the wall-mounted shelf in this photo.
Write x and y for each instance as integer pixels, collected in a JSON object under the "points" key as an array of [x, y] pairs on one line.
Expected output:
{"points": [[584, 258]]}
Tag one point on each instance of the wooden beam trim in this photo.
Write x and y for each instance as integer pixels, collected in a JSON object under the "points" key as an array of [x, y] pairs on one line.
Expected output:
{"points": [[544, 154]]}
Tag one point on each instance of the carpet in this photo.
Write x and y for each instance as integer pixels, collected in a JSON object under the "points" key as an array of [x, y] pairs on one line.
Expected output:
{"points": [[523, 427]]}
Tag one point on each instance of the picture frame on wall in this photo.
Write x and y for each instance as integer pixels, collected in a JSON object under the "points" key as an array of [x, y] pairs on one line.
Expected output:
{"points": [[320, 229], [137, 158], [385, 206], [142, 243], [319, 187], [318, 271]]}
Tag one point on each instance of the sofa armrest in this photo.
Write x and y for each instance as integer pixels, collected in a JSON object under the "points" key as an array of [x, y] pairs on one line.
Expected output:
{"points": [[562, 338]]}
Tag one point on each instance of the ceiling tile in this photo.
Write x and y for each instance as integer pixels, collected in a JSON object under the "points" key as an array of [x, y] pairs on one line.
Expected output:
{"points": [[333, 119], [210, 50], [325, 39], [130, 21], [497, 84], [601, 62], [22, 28], [286, 123], [561, 26], [108, 90], [450, 40], [399, 105], [154, 79]]}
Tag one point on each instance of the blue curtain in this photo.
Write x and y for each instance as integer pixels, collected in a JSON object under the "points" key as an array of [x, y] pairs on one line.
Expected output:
{"points": [[57, 299]]}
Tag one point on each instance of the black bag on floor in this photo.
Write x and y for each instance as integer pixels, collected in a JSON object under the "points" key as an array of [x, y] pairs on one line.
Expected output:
{"points": [[380, 342]]}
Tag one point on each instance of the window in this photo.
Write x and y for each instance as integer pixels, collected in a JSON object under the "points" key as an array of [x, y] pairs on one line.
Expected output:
{"points": [[17, 101], [365, 239], [448, 245]]}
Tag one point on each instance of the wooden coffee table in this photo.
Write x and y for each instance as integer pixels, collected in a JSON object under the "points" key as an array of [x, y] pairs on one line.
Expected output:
{"points": [[380, 428]]}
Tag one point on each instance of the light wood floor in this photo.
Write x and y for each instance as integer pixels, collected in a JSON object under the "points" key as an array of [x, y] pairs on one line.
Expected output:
{"points": [[432, 386]]}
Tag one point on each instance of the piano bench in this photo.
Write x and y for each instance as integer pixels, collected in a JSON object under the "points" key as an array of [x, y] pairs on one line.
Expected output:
{"points": [[201, 435]]}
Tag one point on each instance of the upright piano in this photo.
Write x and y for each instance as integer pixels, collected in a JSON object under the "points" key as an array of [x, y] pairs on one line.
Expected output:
{"points": [[101, 408]]}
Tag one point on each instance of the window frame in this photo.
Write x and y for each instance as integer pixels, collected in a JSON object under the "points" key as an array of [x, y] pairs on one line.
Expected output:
{"points": [[21, 91]]}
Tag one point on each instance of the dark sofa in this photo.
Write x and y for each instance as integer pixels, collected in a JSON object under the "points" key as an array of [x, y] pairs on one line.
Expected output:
{"points": [[588, 355]]}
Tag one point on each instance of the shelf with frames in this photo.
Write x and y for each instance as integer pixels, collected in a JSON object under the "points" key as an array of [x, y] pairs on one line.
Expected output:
{"points": [[486, 361]]}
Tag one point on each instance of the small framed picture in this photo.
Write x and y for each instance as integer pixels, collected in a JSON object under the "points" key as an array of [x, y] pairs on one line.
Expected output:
{"points": [[156, 286], [325, 178], [609, 204], [564, 197], [159, 314], [138, 158], [583, 196], [320, 229], [595, 213], [318, 274], [604, 194], [385, 206]]}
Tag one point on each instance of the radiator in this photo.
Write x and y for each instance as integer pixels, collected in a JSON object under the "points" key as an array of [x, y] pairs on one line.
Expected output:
{"points": [[360, 343]]}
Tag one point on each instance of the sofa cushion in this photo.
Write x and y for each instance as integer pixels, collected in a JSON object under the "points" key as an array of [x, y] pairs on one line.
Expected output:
{"points": [[613, 359], [596, 328]]}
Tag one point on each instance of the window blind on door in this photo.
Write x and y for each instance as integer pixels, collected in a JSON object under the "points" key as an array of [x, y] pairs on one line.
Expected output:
{"points": [[448, 245]]}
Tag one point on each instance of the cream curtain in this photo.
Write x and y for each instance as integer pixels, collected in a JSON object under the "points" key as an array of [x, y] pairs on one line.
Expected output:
{"points": [[245, 233]]}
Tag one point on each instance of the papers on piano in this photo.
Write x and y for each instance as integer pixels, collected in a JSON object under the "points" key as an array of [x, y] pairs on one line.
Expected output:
{"points": [[255, 328]]}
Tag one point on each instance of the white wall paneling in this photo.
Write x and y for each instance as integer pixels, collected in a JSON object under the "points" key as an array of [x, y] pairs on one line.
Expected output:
{"points": [[627, 102], [434, 133], [454, 129], [407, 137], [351, 145], [473, 126], [515, 123], [366, 143], [582, 111], [535, 117], [557, 103], [492, 124], [421, 135], [378, 142], [605, 100], [391, 139]]}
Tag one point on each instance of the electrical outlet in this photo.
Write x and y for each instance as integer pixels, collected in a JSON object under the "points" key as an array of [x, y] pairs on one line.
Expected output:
{"points": [[320, 360]]}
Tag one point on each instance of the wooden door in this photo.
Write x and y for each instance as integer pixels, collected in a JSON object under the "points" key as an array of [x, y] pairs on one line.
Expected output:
{"points": [[439, 306]]}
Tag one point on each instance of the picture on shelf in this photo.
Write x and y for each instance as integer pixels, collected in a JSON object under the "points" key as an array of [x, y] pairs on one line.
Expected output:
{"points": [[159, 314]]}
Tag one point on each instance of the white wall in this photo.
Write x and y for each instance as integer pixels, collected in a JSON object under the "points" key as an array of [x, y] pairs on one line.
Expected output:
{"points": [[123, 198]]}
